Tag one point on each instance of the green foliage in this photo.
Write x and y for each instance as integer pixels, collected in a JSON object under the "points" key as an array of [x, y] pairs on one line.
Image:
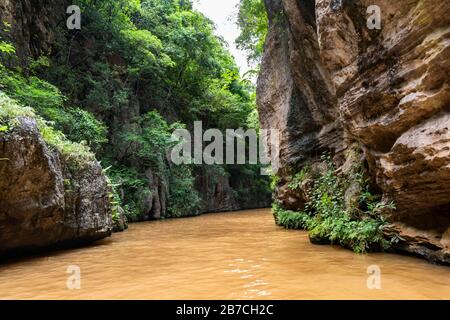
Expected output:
{"points": [[327, 217], [6, 48], [114, 198], [249, 185], [106, 93], [371, 203], [32, 91], [183, 199], [155, 141], [74, 153], [164, 53], [291, 219], [78, 125], [10, 111], [274, 180], [253, 120], [131, 57], [298, 178], [43, 102], [153, 138], [253, 22], [37, 65], [129, 189], [144, 51]]}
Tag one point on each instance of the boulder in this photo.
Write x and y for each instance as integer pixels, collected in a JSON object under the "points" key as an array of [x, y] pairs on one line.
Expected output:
{"points": [[46, 201]]}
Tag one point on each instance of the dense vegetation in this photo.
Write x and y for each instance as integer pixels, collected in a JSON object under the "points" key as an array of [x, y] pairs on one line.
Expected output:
{"points": [[329, 217], [253, 22], [75, 154], [119, 87]]}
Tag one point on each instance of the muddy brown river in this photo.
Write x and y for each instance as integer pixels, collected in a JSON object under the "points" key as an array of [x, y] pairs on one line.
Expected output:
{"points": [[240, 255]]}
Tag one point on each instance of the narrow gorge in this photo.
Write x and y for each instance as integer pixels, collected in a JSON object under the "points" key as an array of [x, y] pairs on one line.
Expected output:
{"points": [[102, 94], [356, 91]]}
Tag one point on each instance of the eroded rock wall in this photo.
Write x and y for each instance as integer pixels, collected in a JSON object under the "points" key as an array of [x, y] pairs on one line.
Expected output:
{"points": [[328, 82], [44, 200], [31, 25]]}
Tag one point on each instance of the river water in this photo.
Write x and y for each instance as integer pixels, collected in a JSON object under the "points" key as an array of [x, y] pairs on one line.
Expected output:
{"points": [[240, 255]]}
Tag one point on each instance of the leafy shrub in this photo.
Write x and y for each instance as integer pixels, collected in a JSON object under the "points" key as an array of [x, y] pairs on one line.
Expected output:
{"points": [[327, 217], [274, 180], [291, 219], [154, 140], [6, 48], [183, 199], [298, 178], [75, 154], [47, 101], [114, 198], [129, 189], [253, 22], [80, 126]]}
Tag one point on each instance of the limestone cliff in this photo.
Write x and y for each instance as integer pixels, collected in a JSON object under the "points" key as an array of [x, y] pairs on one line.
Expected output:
{"points": [[328, 82]]}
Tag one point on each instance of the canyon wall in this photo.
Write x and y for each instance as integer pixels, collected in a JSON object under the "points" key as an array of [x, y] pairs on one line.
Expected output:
{"points": [[37, 207], [329, 83], [45, 201]]}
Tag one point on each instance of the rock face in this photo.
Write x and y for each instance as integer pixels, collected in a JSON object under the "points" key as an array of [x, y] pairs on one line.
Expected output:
{"points": [[33, 25], [328, 82], [45, 201], [218, 192], [215, 191]]}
